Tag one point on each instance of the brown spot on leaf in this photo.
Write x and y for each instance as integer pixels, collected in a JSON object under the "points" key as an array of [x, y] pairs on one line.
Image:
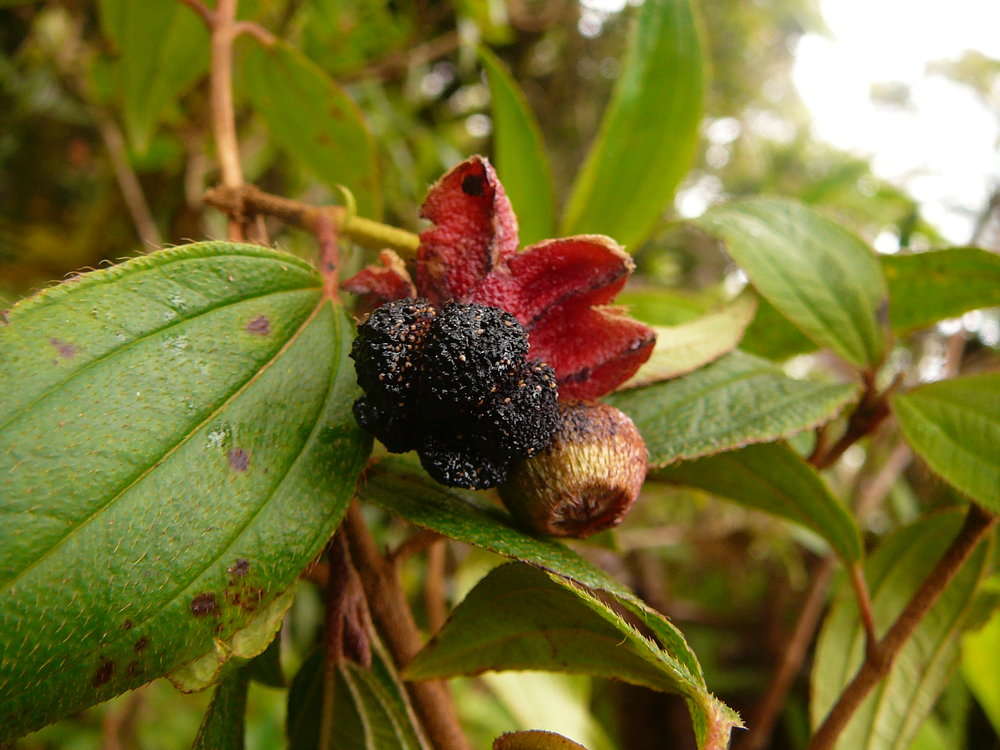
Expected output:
{"points": [[474, 185], [240, 568], [239, 459], [104, 672], [140, 645], [133, 669], [3, 317], [204, 604], [127, 625], [66, 350], [259, 325]]}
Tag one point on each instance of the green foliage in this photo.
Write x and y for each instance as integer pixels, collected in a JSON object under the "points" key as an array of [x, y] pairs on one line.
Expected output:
{"points": [[188, 412], [955, 426], [981, 665], [688, 346], [817, 274], [370, 708], [891, 715], [927, 287], [547, 622], [222, 727], [313, 119], [774, 478], [521, 161], [163, 50], [402, 487], [649, 131], [737, 400]]}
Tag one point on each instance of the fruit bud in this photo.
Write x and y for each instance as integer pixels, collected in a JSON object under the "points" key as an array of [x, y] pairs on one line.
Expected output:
{"points": [[586, 480]]}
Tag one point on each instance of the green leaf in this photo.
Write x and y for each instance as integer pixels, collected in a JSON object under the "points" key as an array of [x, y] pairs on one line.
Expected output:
{"points": [[981, 665], [735, 401], [266, 666], [313, 119], [771, 336], [535, 739], [649, 133], [892, 714], [521, 160], [661, 306], [371, 710], [774, 478], [400, 486], [176, 443], [817, 274], [927, 287], [223, 725], [164, 50], [955, 427], [686, 347], [519, 617]]}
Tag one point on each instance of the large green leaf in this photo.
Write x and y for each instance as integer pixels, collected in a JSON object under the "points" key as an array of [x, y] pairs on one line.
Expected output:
{"points": [[164, 49], [521, 161], [817, 274], [737, 400], [399, 485], [770, 335], [892, 714], [774, 478], [371, 710], [313, 119], [955, 427], [648, 136], [682, 348], [927, 287], [223, 725], [176, 443], [519, 617]]}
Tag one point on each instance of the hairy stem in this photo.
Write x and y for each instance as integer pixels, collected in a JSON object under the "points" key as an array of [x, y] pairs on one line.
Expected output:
{"points": [[365, 232], [391, 612], [879, 661]]}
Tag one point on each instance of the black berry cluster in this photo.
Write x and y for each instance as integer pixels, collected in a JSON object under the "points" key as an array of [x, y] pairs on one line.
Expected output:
{"points": [[454, 384]]}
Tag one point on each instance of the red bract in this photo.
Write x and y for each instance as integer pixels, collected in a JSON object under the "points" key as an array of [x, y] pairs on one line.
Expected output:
{"points": [[557, 289]]}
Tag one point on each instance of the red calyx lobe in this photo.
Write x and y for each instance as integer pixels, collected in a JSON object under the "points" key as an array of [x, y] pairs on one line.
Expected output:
{"points": [[556, 289]]}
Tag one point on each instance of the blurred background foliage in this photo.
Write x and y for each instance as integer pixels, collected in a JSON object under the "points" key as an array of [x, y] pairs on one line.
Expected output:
{"points": [[84, 130]]}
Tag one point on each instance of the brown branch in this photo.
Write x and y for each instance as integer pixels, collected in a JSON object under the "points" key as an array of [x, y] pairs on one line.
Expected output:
{"points": [[412, 545], [879, 660], [395, 620], [255, 30], [434, 587], [365, 232], [206, 14], [223, 27], [870, 412], [329, 255], [857, 576], [765, 713]]}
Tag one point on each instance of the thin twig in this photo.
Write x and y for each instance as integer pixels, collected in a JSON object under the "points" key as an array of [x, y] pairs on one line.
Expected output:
{"points": [[401, 62], [255, 30], [765, 713], [365, 232], [857, 575], [128, 182], [412, 545], [329, 255], [878, 662], [206, 14], [872, 409], [395, 620]]}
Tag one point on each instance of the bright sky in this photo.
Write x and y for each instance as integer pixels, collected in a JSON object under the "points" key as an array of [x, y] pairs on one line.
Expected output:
{"points": [[942, 146]]}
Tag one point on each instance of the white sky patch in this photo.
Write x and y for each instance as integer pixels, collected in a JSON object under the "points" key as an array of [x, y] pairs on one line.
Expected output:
{"points": [[941, 145]]}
